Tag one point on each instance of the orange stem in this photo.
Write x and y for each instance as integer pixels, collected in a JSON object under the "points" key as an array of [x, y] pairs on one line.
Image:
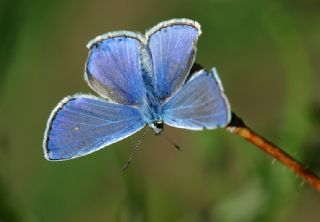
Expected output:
{"points": [[238, 127]]}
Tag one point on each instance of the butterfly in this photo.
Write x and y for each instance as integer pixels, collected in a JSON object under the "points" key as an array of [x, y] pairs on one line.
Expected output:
{"points": [[142, 80]]}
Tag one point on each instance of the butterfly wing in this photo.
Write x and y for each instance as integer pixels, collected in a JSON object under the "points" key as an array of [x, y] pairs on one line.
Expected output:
{"points": [[199, 104], [113, 67], [82, 124], [172, 45]]}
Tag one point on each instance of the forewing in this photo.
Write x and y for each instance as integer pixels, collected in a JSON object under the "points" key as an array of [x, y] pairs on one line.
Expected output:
{"points": [[113, 67], [82, 124], [172, 45], [200, 104]]}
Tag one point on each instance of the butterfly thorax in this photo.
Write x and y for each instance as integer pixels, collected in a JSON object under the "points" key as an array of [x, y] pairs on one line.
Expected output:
{"points": [[152, 112]]}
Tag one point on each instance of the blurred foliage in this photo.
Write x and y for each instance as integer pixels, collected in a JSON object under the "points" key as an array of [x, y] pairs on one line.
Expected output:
{"points": [[7, 210], [9, 24], [267, 54]]}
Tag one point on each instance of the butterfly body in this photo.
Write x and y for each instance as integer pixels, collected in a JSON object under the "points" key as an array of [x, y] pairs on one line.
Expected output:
{"points": [[143, 80], [152, 113]]}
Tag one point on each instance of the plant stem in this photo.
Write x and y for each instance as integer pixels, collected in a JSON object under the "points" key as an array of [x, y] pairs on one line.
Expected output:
{"points": [[238, 127]]}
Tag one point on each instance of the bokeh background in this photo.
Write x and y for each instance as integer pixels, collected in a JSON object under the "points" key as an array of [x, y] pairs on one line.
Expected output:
{"points": [[267, 54]]}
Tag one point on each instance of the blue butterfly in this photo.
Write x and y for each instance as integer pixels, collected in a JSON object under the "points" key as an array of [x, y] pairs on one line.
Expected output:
{"points": [[143, 80]]}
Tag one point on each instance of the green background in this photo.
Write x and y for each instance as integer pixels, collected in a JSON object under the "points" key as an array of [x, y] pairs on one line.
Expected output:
{"points": [[267, 55]]}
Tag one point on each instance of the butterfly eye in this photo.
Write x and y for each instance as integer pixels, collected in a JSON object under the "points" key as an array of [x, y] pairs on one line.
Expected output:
{"points": [[158, 124]]}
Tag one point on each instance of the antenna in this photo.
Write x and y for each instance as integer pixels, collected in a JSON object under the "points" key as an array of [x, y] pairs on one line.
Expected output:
{"points": [[173, 143], [135, 149]]}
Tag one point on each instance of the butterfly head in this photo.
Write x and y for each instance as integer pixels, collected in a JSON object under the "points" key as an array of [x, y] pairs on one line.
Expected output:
{"points": [[157, 126]]}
